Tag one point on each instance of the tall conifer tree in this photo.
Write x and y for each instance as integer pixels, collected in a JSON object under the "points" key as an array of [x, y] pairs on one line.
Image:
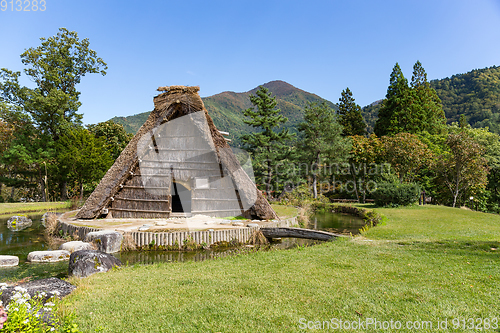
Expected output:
{"points": [[393, 115], [267, 143], [428, 103], [350, 115]]}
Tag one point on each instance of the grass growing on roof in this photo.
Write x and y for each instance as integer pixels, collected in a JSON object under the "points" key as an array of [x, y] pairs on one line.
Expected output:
{"points": [[419, 265]]}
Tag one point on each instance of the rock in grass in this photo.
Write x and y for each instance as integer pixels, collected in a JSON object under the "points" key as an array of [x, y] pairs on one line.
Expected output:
{"points": [[76, 246], [50, 287], [87, 262], [252, 225], [48, 256], [106, 240], [238, 224], [18, 223], [8, 261]]}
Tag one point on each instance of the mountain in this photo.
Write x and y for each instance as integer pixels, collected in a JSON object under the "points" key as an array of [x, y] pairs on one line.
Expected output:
{"points": [[475, 94], [226, 108]]}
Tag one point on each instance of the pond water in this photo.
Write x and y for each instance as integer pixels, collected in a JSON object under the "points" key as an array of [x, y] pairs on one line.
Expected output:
{"points": [[337, 223], [20, 243]]}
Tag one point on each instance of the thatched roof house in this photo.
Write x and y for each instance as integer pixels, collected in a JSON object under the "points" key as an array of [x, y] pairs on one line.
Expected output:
{"points": [[178, 162]]}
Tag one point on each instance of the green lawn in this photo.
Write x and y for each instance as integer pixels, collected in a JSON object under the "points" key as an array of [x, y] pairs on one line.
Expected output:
{"points": [[424, 264], [32, 207]]}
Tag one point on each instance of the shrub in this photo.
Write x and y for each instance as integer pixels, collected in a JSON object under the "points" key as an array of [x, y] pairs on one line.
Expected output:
{"points": [[32, 314], [396, 194]]}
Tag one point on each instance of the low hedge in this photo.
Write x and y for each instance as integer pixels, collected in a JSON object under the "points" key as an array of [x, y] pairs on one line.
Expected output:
{"points": [[396, 194]]}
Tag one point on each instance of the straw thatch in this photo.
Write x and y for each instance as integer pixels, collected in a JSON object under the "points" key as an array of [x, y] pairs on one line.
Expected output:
{"points": [[126, 191]]}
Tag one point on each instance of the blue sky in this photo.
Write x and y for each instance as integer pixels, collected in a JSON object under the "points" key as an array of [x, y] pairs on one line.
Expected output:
{"points": [[318, 46]]}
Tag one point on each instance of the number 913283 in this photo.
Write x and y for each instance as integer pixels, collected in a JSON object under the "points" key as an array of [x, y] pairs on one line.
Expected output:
{"points": [[23, 5]]}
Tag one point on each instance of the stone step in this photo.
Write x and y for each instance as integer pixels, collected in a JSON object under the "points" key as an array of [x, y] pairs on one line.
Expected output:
{"points": [[48, 256], [8, 261]]}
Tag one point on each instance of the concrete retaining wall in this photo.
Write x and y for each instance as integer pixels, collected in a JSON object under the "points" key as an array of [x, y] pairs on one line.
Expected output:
{"points": [[177, 238]]}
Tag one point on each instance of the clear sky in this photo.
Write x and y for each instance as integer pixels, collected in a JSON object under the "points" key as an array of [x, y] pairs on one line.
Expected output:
{"points": [[318, 46]]}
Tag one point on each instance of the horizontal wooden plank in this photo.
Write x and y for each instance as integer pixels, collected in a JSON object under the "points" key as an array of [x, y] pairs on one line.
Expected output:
{"points": [[215, 211], [140, 210], [144, 200], [149, 187], [211, 199]]}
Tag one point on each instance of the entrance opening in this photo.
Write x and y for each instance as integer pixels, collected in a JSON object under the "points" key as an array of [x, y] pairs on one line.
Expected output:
{"points": [[181, 199]]}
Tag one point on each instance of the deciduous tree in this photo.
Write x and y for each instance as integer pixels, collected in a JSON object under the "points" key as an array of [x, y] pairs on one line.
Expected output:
{"points": [[56, 67], [83, 157], [321, 140], [115, 135], [463, 166]]}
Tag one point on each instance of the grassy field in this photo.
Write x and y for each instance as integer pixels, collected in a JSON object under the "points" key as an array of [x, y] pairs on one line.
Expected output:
{"points": [[32, 207], [423, 264]]}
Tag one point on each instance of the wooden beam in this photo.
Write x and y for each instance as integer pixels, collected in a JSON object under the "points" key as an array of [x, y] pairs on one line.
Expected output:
{"points": [[215, 211], [144, 200], [298, 233], [142, 187], [139, 210]]}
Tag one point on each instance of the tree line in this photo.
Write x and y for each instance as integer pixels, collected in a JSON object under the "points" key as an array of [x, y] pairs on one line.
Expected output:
{"points": [[46, 152], [411, 148]]}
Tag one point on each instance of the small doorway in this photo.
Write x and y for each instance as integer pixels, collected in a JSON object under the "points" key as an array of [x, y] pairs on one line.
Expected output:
{"points": [[181, 199]]}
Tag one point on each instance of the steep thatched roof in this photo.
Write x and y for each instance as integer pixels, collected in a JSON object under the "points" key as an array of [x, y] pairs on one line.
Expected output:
{"points": [[175, 101]]}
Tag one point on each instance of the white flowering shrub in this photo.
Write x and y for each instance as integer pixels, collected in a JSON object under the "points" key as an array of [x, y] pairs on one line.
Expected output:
{"points": [[26, 314]]}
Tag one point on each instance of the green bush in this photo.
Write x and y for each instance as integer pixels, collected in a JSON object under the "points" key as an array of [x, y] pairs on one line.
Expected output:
{"points": [[26, 314], [396, 194]]}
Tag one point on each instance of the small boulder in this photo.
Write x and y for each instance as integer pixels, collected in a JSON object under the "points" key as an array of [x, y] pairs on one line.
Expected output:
{"points": [[48, 256], [106, 240], [144, 228], [8, 261], [238, 224], [18, 223], [50, 286], [252, 225], [225, 222], [87, 262], [76, 246]]}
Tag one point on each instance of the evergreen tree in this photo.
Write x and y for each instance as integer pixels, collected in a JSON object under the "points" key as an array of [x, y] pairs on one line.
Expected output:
{"points": [[394, 114], [321, 140], [350, 115], [412, 109], [428, 104], [267, 143]]}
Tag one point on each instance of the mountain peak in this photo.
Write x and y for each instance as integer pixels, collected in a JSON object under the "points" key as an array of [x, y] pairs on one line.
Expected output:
{"points": [[278, 87]]}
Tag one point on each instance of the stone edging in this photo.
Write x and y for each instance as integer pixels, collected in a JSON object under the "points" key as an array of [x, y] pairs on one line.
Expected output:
{"points": [[177, 239]]}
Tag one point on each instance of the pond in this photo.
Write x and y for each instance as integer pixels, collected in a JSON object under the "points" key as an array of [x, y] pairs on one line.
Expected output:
{"points": [[20, 243], [336, 222]]}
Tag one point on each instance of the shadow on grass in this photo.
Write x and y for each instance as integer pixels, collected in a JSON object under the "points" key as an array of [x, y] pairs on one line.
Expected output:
{"points": [[460, 247]]}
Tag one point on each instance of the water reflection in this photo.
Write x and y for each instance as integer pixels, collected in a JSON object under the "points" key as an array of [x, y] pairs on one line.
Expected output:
{"points": [[336, 223]]}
